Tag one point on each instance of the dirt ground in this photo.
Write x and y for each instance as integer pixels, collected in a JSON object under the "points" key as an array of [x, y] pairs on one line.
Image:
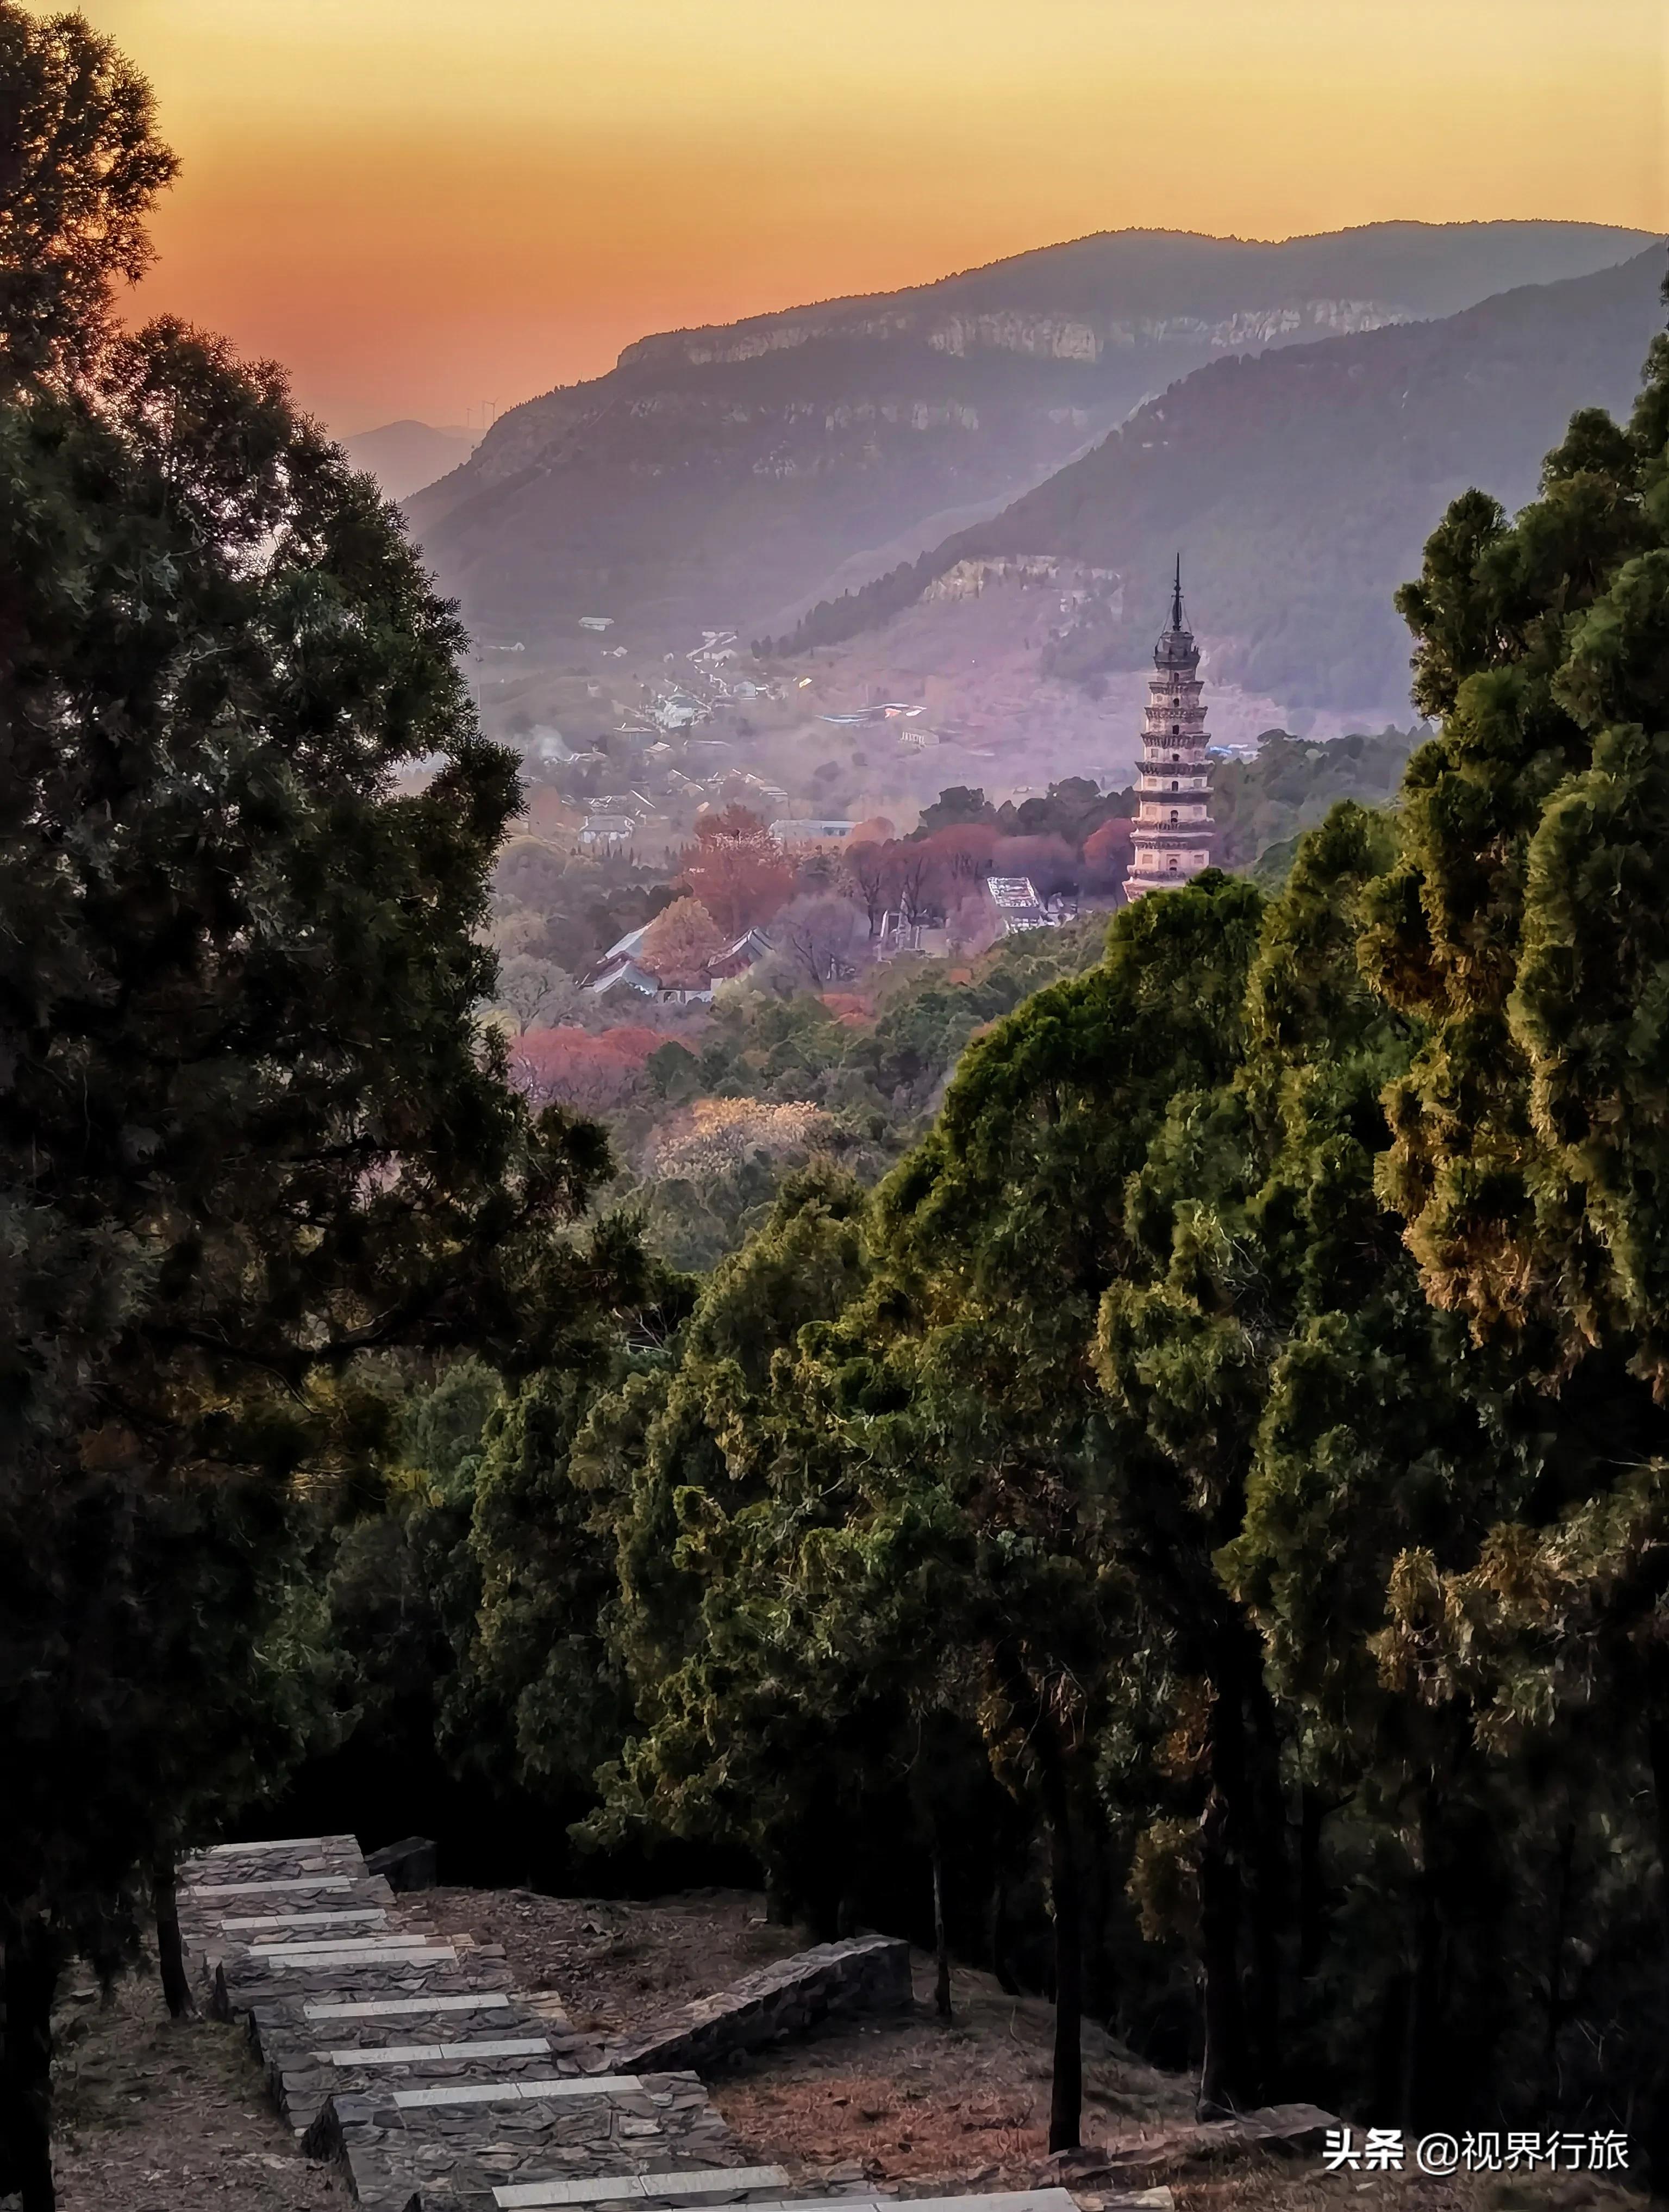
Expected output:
{"points": [[911, 2101], [155, 2117], [615, 1964]]}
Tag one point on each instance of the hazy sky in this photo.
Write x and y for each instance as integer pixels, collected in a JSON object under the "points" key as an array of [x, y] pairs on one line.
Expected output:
{"points": [[423, 206]]}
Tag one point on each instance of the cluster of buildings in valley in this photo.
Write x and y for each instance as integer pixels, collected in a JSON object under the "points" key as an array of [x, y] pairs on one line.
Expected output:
{"points": [[684, 771]]}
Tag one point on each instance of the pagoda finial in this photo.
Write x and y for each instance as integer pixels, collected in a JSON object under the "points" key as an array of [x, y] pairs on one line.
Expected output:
{"points": [[1177, 597]]}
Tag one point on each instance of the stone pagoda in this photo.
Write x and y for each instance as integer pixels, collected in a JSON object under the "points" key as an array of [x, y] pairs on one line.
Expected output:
{"points": [[1171, 837]]}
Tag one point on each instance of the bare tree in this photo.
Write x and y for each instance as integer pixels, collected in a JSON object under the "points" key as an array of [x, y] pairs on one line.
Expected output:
{"points": [[918, 881], [868, 870], [825, 938]]}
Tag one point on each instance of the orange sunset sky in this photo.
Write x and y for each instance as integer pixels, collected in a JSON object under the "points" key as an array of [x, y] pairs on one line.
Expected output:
{"points": [[422, 207]]}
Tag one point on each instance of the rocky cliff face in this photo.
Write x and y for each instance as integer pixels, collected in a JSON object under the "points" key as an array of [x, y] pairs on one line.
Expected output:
{"points": [[732, 477]]}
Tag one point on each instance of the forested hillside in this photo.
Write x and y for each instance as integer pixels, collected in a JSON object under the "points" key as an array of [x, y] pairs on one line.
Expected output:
{"points": [[1300, 483], [725, 476], [1260, 805]]}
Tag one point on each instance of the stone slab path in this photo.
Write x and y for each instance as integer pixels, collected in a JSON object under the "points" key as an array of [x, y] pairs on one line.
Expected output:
{"points": [[405, 2052]]}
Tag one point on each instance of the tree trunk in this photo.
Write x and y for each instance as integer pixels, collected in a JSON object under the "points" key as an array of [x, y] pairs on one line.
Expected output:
{"points": [[170, 1951], [1423, 2026], [1268, 1903], [941, 1947], [1223, 2066], [1066, 2091], [1655, 2128], [1311, 1896], [778, 1905], [1000, 1964], [1557, 1932], [26, 2064]]}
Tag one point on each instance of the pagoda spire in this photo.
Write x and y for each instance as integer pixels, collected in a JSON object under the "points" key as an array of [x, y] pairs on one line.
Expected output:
{"points": [[1177, 597]]}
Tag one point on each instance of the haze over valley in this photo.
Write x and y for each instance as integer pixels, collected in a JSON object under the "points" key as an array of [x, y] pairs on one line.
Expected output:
{"points": [[963, 500]]}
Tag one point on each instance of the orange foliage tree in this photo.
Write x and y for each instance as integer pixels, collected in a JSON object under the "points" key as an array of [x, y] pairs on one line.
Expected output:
{"points": [[680, 941], [737, 870]]}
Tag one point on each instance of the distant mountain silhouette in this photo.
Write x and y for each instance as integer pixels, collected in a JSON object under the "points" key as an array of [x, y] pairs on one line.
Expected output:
{"points": [[736, 475], [1301, 486], [405, 456]]}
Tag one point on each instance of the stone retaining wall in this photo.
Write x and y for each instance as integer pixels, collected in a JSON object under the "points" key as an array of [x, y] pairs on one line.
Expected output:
{"points": [[865, 1973]]}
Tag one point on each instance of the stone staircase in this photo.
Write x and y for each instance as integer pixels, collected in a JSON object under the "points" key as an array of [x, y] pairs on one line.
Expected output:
{"points": [[408, 2055]]}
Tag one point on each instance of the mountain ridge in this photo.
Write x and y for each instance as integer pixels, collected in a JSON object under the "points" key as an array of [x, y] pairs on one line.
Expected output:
{"points": [[676, 493]]}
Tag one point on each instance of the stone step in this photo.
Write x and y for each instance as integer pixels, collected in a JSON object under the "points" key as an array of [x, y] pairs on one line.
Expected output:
{"points": [[407, 2054], [402, 2008], [290, 1855], [264, 1844], [367, 2031], [303, 1947], [216, 1920], [372, 2025], [248, 1925], [321, 1884], [498, 2071], [461, 2152], [718, 2184], [680, 2187], [241, 1983], [866, 2199], [213, 1934]]}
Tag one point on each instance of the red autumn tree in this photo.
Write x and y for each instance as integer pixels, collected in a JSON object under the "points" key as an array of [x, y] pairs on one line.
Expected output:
{"points": [[962, 853], [1107, 854], [572, 1068], [737, 870]]}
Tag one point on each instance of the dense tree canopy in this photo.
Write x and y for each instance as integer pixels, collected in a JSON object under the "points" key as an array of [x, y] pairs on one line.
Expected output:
{"points": [[1228, 1448]]}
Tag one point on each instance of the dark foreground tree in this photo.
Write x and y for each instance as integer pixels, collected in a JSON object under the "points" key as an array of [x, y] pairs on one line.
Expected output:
{"points": [[80, 165], [249, 1131]]}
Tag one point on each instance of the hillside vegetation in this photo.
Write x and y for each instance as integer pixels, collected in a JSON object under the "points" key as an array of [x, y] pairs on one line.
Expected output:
{"points": [[1301, 483]]}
